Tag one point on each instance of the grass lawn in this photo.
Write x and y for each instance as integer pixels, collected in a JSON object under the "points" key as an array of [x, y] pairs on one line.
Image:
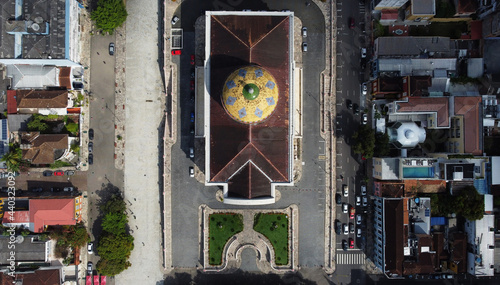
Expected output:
{"points": [[221, 228], [275, 228]]}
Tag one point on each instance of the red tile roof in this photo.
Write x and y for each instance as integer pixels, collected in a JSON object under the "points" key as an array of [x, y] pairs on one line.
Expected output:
{"points": [[38, 277], [389, 14], [468, 107], [428, 104], [44, 148], [51, 212], [65, 77], [16, 217], [11, 102], [36, 99], [238, 41], [394, 236]]}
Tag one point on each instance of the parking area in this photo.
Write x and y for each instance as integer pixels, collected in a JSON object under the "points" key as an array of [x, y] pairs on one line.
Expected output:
{"points": [[35, 181]]}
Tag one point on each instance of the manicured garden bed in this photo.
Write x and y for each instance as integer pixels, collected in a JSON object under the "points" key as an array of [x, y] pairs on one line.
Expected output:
{"points": [[275, 228], [221, 228]]}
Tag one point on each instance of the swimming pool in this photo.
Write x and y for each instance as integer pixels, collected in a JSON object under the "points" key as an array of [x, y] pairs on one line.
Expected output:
{"points": [[418, 172]]}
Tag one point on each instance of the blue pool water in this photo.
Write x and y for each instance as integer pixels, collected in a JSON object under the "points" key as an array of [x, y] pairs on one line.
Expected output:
{"points": [[418, 172]]}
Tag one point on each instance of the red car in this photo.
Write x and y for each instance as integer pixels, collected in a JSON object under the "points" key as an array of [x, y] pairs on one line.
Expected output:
{"points": [[192, 59], [176, 52], [351, 216], [351, 23], [59, 173], [192, 84], [103, 280], [88, 280], [96, 279], [351, 243]]}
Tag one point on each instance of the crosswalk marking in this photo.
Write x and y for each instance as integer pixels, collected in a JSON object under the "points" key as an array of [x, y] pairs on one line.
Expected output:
{"points": [[356, 258]]}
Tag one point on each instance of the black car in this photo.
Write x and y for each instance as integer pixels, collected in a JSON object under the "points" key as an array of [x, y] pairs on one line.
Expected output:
{"points": [[344, 245], [91, 159], [349, 104], [38, 189], [47, 173], [91, 134], [338, 227], [356, 109], [111, 49], [338, 199], [91, 147], [55, 189]]}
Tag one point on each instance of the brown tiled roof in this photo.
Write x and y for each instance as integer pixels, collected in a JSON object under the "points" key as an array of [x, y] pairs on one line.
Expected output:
{"points": [[65, 77], [38, 277], [468, 107], [466, 6], [428, 104], [238, 41], [394, 236], [36, 99], [459, 251], [43, 146]]}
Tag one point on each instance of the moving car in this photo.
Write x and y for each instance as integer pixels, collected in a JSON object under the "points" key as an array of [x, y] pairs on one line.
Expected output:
{"points": [[89, 268], [365, 201], [191, 171], [48, 173], [176, 52], [365, 118], [346, 229], [358, 219], [363, 190], [175, 19], [351, 243], [304, 32], [58, 173], [345, 190], [91, 147], [363, 52], [344, 208], [90, 247], [111, 48], [91, 134], [304, 47]]}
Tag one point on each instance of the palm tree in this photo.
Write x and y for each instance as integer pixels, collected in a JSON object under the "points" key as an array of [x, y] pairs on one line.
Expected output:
{"points": [[13, 159]]}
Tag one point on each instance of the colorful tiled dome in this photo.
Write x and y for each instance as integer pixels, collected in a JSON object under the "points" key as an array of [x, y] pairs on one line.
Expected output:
{"points": [[250, 94]]}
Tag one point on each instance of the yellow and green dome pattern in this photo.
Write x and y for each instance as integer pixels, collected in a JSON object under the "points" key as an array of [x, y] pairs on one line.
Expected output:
{"points": [[250, 94]]}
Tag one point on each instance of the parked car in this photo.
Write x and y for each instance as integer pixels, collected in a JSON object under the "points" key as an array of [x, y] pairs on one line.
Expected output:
{"points": [[176, 52], [38, 189], [52, 189], [91, 147], [346, 229], [91, 134], [351, 228], [352, 24], [68, 189], [89, 268], [192, 117], [358, 219], [175, 19], [58, 173], [111, 48], [351, 243], [304, 32], [191, 152], [192, 84], [363, 190], [69, 172], [338, 198], [351, 213], [344, 208], [363, 52], [365, 201], [358, 233], [192, 59], [338, 227], [345, 190], [344, 245], [304, 47], [91, 159], [191, 171], [364, 118], [358, 200], [364, 88], [356, 109], [48, 173], [90, 247]]}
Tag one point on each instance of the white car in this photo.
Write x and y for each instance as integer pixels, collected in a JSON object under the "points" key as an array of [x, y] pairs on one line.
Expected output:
{"points": [[90, 247], [358, 219], [358, 200], [304, 47], [358, 233], [345, 189], [363, 190], [175, 19], [346, 229], [304, 32], [68, 189], [191, 152], [191, 171], [365, 118], [344, 208], [365, 201], [363, 52], [364, 88]]}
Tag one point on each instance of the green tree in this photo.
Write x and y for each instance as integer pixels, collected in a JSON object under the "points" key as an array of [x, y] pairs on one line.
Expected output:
{"points": [[112, 267], [37, 124], [14, 158], [364, 141], [470, 204], [109, 15], [72, 127], [381, 144], [115, 223], [76, 236]]}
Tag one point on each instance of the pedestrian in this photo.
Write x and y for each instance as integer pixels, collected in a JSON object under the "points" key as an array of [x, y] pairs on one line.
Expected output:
{"points": [[98, 53], [104, 62]]}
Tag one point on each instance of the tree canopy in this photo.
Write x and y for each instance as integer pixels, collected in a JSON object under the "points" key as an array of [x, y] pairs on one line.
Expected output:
{"points": [[382, 147], [115, 243], [364, 141], [109, 15], [468, 203], [37, 123]]}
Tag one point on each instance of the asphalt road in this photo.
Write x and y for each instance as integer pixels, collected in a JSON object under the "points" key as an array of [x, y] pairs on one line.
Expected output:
{"points": [[308, 193]]}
